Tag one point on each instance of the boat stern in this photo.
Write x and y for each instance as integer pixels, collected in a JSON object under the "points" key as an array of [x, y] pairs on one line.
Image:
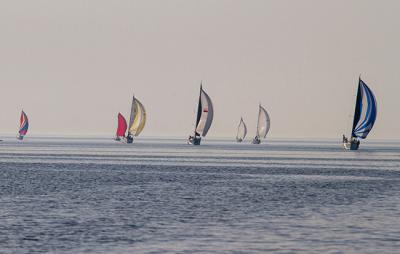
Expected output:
{"points": [[351, 145]]}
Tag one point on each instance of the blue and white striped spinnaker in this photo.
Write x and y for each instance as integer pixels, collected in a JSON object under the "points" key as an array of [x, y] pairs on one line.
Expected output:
{"points": [[365, 112]]}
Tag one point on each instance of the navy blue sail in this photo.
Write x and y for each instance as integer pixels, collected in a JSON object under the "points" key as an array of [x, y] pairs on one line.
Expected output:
{"points": [[365, 112]]}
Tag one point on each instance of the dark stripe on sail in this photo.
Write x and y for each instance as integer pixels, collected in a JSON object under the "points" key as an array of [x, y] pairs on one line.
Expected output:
{"points": [[199, 112], [357, 112]]}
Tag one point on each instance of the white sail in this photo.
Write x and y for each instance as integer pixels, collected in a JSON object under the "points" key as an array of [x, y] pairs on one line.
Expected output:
{"points": [[206, 114], [137, 118], [242, 130], [263, 123]]}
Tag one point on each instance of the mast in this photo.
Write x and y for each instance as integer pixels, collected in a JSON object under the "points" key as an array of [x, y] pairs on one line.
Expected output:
{"points": [[199, 111], [237, 133], [357, 109], [132, 116], [258, 119]]}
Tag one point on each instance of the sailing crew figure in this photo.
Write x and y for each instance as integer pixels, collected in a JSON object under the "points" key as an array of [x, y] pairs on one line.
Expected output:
{"points": [[256, 140], [129, 139], [190, 140], [194, 140], [353, 144], [344, 140]]}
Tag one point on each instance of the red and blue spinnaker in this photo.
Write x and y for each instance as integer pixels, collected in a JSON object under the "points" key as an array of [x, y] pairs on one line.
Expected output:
{"points": [[23, 124]]}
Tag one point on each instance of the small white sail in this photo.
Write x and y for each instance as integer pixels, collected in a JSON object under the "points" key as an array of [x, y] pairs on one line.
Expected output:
{"points": [[137, 118], [263, 123], [205, 114], [242, 130]]}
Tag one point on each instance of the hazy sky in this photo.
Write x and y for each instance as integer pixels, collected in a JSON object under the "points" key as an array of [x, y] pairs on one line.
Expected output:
{"points": [[72, 65]]}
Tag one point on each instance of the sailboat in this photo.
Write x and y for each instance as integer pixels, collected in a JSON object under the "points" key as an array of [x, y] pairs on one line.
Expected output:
{"points": [[23, 126], [263, 125], [241, 131], [121, 129], [364, 116], [137, 120], [205, 114]]}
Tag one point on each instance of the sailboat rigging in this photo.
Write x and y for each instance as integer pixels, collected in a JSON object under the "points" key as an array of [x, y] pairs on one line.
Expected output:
{"points": [[136, 125], [241, 131], [204, 118], [365, 114], [263, 125], [23, 126]]}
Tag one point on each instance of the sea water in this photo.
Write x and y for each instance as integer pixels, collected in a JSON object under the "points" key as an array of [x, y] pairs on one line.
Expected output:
{"points": [[163, 196]]}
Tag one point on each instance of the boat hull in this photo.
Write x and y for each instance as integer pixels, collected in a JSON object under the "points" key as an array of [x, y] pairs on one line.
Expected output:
{"points": [[20, 137], [351, 145], [194, 141], [129, 139], [256, 141], [239, 140]]}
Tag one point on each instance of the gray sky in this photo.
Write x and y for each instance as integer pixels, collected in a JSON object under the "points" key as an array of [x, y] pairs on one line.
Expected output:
{"points": [[73, 65]]}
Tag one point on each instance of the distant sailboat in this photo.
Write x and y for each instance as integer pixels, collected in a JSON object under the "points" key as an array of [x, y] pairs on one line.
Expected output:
{"points": [[122, 126], [364, 116], [205, 114], [137, 120], [263, 125], [23, 126], [241, 131]]}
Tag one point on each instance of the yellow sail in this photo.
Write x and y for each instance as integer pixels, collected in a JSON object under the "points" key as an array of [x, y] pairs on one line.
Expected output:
{"points": [[142, 120], [138, 118]]}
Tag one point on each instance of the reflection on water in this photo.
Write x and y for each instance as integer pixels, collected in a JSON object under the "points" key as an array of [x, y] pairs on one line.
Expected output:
{"points": [[162, 196]]}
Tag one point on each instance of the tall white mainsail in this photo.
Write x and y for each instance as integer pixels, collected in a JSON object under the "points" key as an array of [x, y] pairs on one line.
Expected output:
{"points": [[137, 119], [263, 123], [205, 114], [241, 131]]}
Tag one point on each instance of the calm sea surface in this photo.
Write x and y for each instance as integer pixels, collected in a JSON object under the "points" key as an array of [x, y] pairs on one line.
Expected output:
{"points": [[162, 196]]}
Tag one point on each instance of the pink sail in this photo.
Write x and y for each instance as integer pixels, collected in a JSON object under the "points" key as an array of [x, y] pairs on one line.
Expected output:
{"points": [[23, 124], [122, 126]]}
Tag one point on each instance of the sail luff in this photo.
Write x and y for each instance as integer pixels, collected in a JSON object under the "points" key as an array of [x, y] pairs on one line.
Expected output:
{"points": [[357, 110], [245, 129], [258, 120], [133, 113], [238, 129], [199, 111]]}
